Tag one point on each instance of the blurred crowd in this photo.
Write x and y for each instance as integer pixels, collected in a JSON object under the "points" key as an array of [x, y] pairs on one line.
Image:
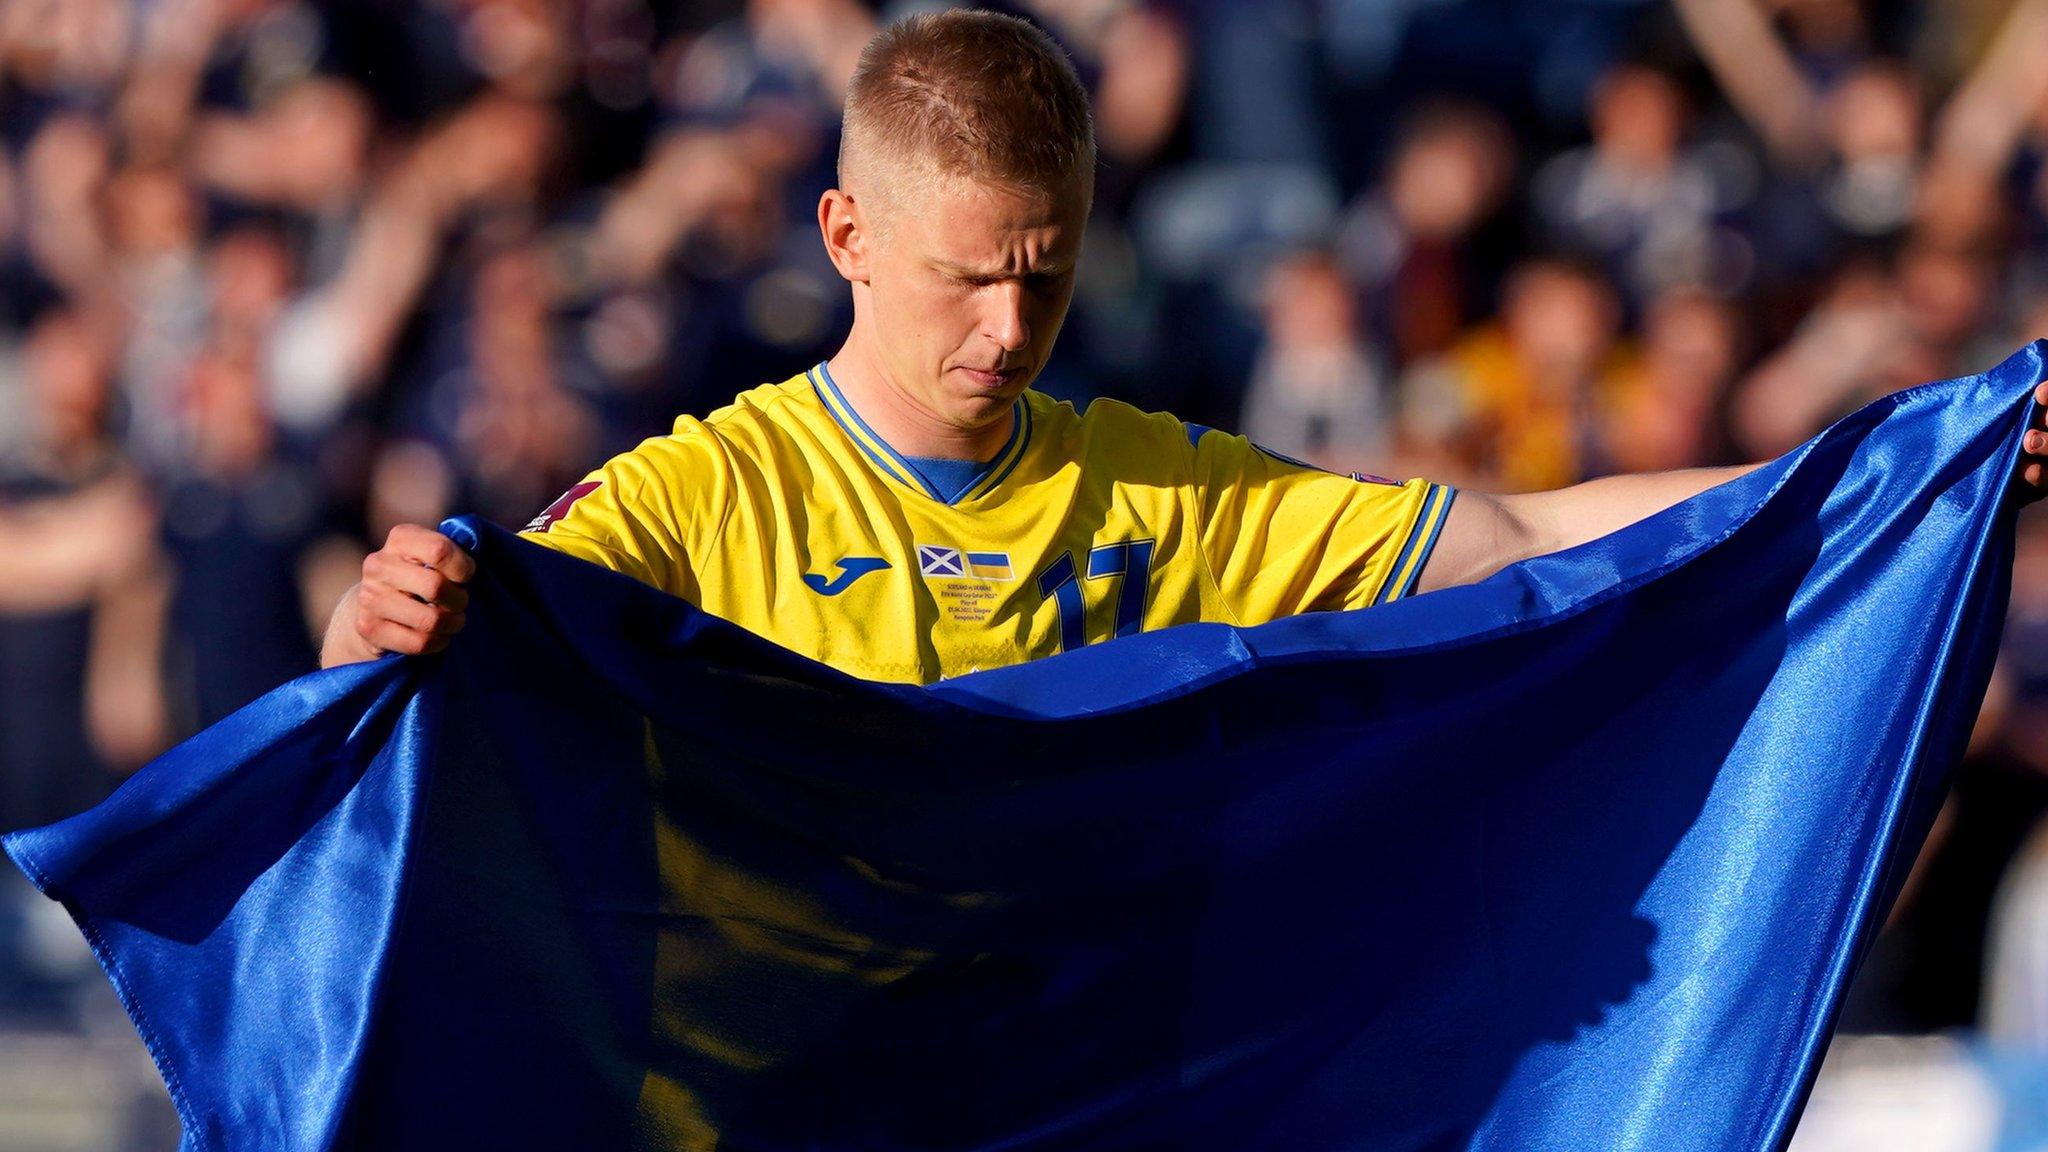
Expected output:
{"points": [[278, 274]]}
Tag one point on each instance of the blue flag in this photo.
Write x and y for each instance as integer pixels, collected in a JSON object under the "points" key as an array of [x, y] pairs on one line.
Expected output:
{"points": [[1582, 856]]}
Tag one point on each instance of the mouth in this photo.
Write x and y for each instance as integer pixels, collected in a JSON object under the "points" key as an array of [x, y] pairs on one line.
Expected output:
{"points": [[992, 378]]}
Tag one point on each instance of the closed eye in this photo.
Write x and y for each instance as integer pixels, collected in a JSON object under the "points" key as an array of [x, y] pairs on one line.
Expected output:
{"points": [[1040, 281]]}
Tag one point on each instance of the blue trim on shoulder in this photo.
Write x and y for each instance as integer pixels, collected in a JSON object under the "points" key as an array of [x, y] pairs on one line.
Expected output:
{"points": [[1429, 545], [1197, 431], [1391, 591], [1284, 458]]}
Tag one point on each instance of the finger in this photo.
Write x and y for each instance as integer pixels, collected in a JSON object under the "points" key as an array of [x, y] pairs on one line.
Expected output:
{"points": [[2035, 441], [377, 603], [2032, 474], [388, 637], [423, 583], [422, 546], [427, 547], [460, 565], [449, 624], [2041, 393], [395, 571]]}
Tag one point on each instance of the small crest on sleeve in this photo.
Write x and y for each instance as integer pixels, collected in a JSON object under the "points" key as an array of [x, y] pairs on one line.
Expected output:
{"points": [[560, 507]]}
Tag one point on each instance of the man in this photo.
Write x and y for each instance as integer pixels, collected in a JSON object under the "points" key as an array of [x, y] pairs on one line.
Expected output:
{"points": [[910, 510]]}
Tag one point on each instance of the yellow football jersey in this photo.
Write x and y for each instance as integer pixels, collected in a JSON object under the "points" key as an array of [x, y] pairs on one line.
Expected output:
{"points": [[784, 513]]}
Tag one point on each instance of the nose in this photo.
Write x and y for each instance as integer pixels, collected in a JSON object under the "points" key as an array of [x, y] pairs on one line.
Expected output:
{"points": [[1004, 322]]}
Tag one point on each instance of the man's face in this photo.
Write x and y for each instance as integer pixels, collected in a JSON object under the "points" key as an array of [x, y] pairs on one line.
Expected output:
{"points": [[968, 285]]}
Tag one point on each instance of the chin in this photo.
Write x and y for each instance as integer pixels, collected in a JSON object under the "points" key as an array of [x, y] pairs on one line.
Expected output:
{"points": [[979, 409]]}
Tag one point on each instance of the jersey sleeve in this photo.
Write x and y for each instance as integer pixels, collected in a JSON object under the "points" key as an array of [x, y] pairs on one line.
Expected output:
{"points": [[641, 511], [1283, 537]]}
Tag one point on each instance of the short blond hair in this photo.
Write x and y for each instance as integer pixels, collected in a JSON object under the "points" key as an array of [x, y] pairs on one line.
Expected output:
{"points": [[979, 95]]}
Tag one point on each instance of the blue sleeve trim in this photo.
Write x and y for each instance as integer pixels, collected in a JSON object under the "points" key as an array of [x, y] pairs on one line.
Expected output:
{"points": [[1429, 545]]}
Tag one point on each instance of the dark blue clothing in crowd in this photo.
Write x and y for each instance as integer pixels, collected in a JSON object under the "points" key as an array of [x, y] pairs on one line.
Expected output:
{"points": [[237, 620]]}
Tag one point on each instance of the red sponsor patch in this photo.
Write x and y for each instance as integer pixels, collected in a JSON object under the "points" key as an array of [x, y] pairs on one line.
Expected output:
{"points": [[560, 507]]}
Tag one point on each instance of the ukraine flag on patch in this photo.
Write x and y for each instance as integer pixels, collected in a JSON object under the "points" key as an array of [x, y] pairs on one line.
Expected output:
{"points": [[989, 565]]}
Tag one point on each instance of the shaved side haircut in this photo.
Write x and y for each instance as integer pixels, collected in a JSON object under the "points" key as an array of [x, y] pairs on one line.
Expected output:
{"points": [[960, 93]]}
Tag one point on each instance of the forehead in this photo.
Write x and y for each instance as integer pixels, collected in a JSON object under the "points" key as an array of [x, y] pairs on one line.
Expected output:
{"points": [[968, 222]]}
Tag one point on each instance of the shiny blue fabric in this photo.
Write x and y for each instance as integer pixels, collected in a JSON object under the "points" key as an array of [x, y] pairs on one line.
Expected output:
{"points": [[1578, 857]]}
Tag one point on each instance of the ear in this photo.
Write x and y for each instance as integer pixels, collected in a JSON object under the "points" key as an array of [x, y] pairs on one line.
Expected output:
{"points": [[844, 226]]}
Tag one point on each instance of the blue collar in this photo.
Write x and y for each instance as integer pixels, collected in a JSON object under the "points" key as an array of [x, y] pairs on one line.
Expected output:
{"points": [[946, 481]]}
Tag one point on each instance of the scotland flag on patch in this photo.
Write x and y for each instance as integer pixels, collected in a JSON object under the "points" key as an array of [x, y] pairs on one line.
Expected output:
{"points": [[938, 560]]}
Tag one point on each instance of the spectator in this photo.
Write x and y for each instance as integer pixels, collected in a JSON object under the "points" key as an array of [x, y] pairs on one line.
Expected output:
{"points": [[1842, 354], [520, 435], [1413, 244], [1664, 411], [1511, 407], [1317, 391], [240, 514], [1636, 199], [78, 589]]}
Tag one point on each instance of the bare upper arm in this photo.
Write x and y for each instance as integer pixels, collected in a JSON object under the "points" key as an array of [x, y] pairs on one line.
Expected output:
{"points": [[1483, 534]]}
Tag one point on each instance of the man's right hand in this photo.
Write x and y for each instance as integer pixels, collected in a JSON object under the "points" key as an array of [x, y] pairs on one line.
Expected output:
{"points": [[411, 599]]}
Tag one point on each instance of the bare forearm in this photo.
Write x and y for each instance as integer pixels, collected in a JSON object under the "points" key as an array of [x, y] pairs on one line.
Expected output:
{"points": [[1982, 123], [42, 569], [1754, 69], [1486, 533], [1572, 516], [124, 691], [63, 551]]}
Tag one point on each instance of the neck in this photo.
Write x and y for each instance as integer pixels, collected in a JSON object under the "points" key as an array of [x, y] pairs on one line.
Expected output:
{"points": [[900, 419]]}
